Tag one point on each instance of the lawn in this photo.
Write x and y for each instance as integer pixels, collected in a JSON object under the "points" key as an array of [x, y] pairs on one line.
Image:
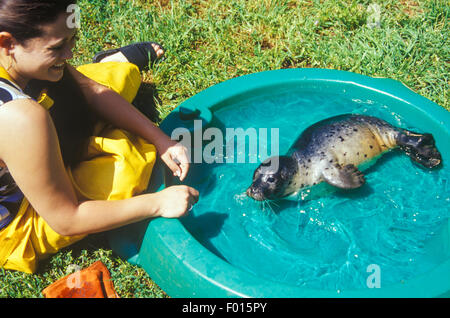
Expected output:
{"points": [[208, 42]]}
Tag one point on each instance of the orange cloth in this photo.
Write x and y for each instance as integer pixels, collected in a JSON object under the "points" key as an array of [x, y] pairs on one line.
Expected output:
{"points": [[92, 282]]}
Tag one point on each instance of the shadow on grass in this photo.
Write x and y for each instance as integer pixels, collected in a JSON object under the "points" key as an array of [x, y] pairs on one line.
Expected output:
{"points": [[145, 101]]}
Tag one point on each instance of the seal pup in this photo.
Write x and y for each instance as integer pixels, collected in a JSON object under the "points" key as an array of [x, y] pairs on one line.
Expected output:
{"points": [[334, 151]]}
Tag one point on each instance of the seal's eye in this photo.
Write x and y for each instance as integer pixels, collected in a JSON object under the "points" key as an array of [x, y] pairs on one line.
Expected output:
{"points": [[271, 179]]}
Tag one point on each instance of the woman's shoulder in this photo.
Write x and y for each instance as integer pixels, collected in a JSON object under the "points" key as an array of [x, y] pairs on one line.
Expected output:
{"points": [[19, 113], [24, 127]]}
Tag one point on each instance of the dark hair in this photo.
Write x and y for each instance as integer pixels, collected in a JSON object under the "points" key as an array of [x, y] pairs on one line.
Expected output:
{"points": [[24, 18], [73, 119]]}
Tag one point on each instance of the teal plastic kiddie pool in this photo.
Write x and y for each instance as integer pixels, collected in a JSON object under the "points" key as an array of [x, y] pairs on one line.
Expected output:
{"points": [[390, 238]]}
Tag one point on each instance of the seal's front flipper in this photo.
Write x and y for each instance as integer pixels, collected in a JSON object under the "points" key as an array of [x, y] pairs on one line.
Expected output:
{"points": [[347, 177]]}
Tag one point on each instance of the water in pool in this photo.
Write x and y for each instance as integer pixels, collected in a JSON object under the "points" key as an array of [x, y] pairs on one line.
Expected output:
{"points": [[332, 242]]}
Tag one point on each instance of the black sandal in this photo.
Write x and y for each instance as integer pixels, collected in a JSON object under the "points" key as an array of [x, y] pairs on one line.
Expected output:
{"points": [[141, 54]]}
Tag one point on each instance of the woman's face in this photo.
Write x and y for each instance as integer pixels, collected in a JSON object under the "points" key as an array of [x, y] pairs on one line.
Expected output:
{"points": [[44, 57]]}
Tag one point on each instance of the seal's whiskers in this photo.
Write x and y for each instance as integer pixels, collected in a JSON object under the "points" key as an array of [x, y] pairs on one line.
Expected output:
{"points": [[267, 202]]}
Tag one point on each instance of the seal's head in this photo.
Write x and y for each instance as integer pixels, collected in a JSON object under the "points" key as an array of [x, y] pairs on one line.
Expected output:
{"points": [[273, 179]]}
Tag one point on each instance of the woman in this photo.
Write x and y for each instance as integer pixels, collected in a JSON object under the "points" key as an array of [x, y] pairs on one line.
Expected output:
{"points": [[66, 188]]}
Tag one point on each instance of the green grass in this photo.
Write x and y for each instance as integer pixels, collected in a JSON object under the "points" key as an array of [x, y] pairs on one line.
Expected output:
{"points": [[210, 41], [129, 281]]}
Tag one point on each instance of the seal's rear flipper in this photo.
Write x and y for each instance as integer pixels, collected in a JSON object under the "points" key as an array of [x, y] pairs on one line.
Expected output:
{"points": [[347, 177], [420, 148]]}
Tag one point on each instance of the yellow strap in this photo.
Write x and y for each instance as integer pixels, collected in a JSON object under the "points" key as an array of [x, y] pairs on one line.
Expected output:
{"points": [[45, 100], [4, 74]]}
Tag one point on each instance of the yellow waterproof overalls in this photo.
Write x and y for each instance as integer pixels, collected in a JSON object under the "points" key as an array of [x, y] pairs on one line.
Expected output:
{"points": [[116, 165]]}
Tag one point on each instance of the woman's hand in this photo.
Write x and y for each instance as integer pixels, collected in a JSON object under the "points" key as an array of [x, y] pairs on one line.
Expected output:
{"points": [[174, 201], [175, 157]]}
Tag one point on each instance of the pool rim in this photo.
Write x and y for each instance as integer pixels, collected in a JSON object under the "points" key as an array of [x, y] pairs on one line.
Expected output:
{"points": [[183, 267]]}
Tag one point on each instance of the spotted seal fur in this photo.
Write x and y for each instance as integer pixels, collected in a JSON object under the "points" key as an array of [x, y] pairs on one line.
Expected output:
{"points": [[335, 150]]}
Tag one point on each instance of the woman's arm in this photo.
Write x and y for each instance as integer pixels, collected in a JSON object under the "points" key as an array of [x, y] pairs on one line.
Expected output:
{"points": [[114, 109], [29, 146]]}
